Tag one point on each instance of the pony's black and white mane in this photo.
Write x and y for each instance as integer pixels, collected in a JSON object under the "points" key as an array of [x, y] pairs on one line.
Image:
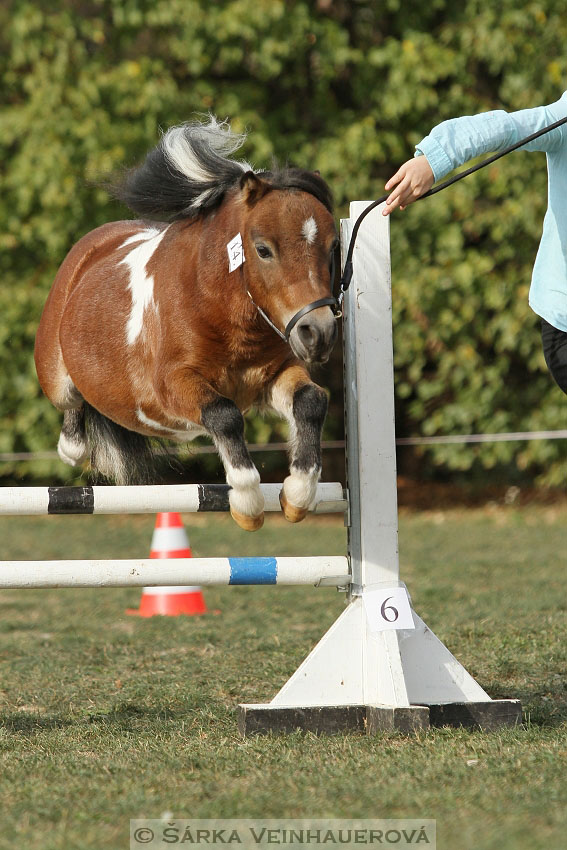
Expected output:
{"points": [[191, 170]]}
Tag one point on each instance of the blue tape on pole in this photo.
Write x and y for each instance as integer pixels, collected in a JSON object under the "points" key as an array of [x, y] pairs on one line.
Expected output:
{"points": [[253, 570]]}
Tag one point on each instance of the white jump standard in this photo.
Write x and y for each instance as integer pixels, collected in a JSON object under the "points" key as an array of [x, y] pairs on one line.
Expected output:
{"points": [[358, 676]]}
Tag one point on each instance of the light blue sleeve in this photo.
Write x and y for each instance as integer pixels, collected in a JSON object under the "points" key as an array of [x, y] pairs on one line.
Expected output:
{"points": [[454, 142]]}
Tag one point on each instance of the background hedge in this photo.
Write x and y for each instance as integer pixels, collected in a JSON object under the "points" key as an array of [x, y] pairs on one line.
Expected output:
{"points": [[344, 87]]}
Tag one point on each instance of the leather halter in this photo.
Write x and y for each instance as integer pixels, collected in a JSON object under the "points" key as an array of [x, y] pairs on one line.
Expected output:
{"points": [[328, 301]]}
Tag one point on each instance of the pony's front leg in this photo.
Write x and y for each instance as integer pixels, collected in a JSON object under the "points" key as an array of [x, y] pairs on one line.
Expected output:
{"points": [[186, 396], [304, 405], [224, 421]]}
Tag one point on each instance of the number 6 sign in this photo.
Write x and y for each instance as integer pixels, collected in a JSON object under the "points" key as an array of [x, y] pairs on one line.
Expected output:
{"points": [[388, 608]]}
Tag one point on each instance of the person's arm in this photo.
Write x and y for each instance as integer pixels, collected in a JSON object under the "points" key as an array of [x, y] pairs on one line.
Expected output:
{"points": [[454, 142]]}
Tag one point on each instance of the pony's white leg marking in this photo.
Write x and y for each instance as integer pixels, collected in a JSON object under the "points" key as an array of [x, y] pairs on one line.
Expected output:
{"points": [[72, 447], [305, 412], [141, 284], [225, 423], [300, 488], [72, 450], [309, 230], [245, 496]]}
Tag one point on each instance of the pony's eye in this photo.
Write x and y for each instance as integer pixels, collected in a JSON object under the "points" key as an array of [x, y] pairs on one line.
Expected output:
{"points": [[263, 252]]}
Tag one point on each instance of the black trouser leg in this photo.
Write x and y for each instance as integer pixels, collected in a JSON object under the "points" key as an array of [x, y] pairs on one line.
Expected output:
{"points": [[555, 353]]}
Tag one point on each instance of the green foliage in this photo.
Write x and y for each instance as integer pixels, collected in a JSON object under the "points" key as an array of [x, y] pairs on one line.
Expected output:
{"points": [[345, 87]]}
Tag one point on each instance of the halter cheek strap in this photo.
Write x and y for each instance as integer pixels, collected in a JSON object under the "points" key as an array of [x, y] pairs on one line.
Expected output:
{"points": [[266, 318]]}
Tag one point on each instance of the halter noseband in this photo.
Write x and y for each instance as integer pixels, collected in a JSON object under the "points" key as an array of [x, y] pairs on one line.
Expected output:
{"points": [[328, 301]]}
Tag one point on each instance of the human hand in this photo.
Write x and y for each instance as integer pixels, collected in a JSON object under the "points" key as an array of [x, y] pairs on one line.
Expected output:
{"points": [[411, 181]]}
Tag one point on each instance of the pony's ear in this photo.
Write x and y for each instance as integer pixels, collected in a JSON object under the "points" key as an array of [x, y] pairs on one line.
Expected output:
{"points": [[253, 187]]}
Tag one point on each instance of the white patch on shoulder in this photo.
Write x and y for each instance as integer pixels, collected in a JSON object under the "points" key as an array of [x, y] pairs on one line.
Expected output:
{"points": [[140, 236], [309, 230], [141, 284]]}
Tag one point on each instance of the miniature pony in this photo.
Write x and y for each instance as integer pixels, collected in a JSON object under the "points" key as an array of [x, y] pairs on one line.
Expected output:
{"points": [[173, 325]]}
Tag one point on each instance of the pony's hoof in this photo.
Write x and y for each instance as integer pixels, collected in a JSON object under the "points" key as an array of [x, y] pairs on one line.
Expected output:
{"points": [[248, 523], [290, 512]]}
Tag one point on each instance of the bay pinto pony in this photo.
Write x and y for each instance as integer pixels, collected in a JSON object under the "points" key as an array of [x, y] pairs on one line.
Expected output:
{"points": [[154, 327]]}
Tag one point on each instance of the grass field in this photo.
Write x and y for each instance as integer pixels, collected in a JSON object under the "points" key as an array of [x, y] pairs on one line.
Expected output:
{"points": [[105, 717]]}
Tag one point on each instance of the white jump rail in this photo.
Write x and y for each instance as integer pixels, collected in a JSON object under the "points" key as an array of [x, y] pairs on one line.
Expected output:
{"points": [[184, 498], [147, 572]]}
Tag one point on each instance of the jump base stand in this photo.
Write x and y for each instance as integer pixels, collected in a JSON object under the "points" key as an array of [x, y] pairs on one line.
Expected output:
{"points": [[358, 677], [357, 680]]}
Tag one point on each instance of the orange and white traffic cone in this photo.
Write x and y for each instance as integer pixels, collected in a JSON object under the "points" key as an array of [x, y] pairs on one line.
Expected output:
{"points": [[170, 540]]}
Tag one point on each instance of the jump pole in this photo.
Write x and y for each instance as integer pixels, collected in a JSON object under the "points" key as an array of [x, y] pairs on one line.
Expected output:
{"points": [[319, 571], [367, 673], [149, 499]]}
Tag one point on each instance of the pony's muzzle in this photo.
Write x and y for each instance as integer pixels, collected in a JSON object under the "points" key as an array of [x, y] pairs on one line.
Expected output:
{"points": [[314, 336]]}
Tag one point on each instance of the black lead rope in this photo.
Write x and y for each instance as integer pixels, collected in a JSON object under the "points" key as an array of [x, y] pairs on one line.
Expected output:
{"points": [[347, 271]]}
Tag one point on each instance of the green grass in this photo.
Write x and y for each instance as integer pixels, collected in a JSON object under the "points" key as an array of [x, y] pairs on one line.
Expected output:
{"points": [[105, 717]]}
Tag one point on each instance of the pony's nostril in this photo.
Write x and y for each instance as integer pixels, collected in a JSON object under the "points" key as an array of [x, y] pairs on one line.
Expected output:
{"points": [[309, 335]]}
